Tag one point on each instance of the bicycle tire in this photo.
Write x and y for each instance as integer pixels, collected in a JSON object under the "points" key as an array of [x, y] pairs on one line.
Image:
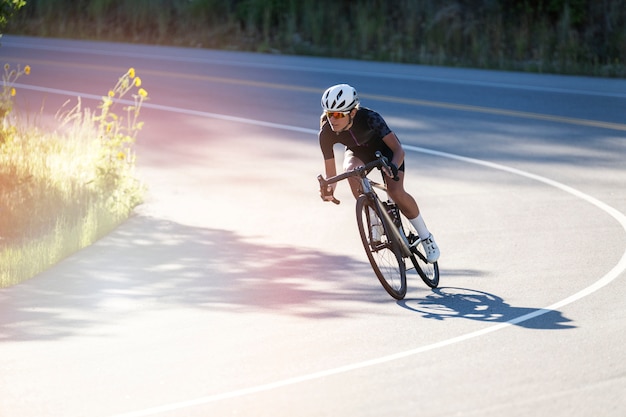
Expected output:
{"points": [[428, 272], [384, 255]]}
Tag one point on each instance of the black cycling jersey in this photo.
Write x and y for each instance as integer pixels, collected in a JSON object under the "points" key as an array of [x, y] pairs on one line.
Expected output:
{"points": [[364, 137]]}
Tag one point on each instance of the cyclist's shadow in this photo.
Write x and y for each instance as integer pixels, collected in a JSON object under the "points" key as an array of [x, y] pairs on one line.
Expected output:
{"points": [[452, 302]]}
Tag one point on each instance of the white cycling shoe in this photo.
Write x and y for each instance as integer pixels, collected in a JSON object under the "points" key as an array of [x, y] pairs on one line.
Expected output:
{"points": [[431, 249]]}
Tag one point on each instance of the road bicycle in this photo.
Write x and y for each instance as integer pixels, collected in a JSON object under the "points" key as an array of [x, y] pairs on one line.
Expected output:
{"points": [[388, 237]]}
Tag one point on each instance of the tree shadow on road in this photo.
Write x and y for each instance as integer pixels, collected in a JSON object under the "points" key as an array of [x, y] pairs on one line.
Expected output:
{"points": [[451, 302], [151, 264]]}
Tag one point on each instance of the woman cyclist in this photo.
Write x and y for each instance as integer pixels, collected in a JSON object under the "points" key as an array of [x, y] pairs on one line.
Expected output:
{"points": [[364, 132]]}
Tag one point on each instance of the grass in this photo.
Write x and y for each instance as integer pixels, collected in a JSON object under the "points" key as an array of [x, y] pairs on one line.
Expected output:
{"points": [[61, 191], [550, 36]]}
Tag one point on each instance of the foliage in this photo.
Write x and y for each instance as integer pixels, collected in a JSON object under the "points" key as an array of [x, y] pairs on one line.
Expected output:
{"points": [[565, 36], [117, 133], [61, 191], [8, 90], [7, 9]]}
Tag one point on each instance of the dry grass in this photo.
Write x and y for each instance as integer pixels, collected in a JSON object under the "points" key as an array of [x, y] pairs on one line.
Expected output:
{"points": [[60, 191]]}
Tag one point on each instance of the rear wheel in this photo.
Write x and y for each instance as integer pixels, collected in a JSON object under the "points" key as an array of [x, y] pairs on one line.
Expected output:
{"points": [[384, 255]]}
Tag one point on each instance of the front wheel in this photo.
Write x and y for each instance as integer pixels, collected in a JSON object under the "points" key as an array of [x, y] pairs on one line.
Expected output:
{"points": [[384, 255]]}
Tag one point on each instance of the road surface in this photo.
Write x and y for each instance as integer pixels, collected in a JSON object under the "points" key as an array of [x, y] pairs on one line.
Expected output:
{"points": [[235, 290]]}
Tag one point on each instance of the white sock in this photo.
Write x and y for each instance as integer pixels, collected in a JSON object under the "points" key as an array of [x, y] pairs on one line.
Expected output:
{"points": [[420, 227]]}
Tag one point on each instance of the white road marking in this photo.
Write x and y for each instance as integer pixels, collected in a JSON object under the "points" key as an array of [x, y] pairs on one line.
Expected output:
{"points": [[411, 102], [617, 270]]}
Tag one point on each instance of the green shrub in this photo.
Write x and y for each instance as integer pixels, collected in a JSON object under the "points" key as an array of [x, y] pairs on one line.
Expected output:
{"points": [[564, 36]]}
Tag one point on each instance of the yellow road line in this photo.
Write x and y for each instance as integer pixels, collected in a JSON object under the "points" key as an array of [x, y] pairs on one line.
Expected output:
{"points": [[389, 99], [500, 112]]}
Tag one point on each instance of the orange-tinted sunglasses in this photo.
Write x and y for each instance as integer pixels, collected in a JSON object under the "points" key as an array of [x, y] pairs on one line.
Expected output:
{"points": [[337, 114]]}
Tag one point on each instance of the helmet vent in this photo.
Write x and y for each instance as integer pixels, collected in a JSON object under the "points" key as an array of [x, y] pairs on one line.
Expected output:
{"points": [[340, 97]]}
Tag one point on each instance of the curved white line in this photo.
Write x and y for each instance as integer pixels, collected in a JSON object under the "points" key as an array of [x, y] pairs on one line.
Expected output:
{"points": [[170, 109], [618, 269], [450, 106]]}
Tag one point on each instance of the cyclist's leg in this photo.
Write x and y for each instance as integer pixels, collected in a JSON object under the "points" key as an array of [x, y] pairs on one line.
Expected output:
{"points": [[404, 200], [410, 209]]}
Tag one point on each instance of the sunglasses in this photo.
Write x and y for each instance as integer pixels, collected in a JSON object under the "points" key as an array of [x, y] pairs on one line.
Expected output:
{"points": [[337, 114]]}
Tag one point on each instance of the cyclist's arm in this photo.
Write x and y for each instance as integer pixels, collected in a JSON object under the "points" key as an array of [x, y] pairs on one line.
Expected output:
{"points": [[331, 171], [331, 168], [326, 145], [394, 144]]}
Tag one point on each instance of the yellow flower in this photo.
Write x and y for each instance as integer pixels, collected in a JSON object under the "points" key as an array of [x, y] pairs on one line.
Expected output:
{"points": [[111, 93], [13, 92], [131, 72], [121, 156], [137, 82], [27, 69], [143, 93]]}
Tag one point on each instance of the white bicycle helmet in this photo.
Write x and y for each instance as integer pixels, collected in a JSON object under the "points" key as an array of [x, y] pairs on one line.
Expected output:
{"points": [[340, 97]]}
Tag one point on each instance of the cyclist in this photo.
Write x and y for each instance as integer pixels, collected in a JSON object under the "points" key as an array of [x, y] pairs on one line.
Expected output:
{"points": [[363, 132]]}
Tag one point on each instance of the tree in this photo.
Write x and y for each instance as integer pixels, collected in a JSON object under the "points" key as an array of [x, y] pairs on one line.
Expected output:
{"points": [[7, 10]]}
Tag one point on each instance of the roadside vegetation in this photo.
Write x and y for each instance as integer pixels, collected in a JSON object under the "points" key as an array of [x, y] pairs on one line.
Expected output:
{"points": [[549, 36], [60, 191]]}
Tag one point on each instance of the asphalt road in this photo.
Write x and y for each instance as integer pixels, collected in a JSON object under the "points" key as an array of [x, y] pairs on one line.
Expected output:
{"points": [[235, 291]]}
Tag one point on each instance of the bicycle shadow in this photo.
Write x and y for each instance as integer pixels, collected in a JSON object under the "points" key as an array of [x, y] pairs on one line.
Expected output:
{"points": [[454, 302]]}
